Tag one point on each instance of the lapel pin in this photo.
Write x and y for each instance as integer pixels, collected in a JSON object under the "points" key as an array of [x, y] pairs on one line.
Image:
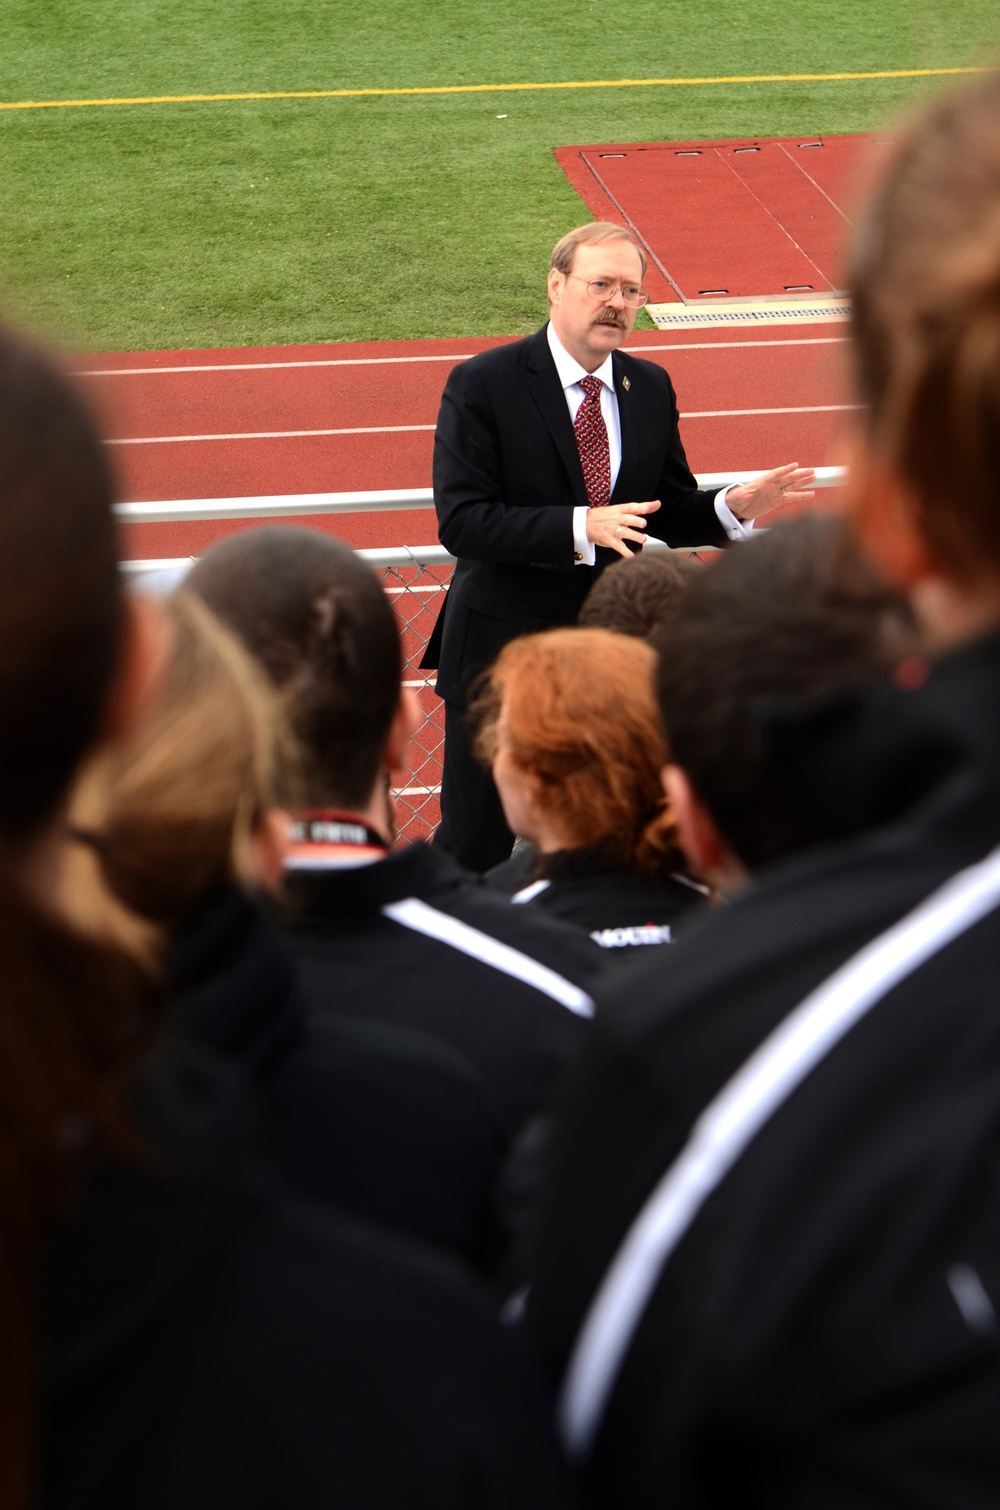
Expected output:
{"points": [[626, 384]]}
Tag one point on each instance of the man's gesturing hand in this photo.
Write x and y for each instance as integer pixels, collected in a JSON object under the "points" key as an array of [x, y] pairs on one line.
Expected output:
{"points": [[612, 525], [762, 494]]}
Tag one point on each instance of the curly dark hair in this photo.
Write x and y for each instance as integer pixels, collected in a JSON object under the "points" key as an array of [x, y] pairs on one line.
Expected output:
{"points": [[635, 597]]}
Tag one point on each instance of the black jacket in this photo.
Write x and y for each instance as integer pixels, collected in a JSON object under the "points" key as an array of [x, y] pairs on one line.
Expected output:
{"points": [[385, 1123], [514, 873], [211, 1342], [357, 960], [620, 909], [506, 477], [824, 1332]]}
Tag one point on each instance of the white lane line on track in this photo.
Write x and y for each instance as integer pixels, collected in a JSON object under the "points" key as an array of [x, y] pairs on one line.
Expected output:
{"points": [[796, 409], [461, 356], [457, 356], [173, 440], [636, 351]]}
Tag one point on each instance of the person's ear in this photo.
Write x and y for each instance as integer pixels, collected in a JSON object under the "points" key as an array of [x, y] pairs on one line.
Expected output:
{"points": [[705, 848], [267, 849], [883, 512], [146, 646], [406, 721], [555, 285]]}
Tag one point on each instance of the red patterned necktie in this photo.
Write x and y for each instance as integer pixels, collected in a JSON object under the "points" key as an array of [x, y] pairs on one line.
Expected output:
{"points": [[592, 443]]}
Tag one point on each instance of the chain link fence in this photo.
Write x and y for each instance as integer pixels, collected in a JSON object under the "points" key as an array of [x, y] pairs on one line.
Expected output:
{"points": [[417, 593]]}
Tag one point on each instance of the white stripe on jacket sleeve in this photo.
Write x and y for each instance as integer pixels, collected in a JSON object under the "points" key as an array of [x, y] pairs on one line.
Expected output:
{"points": [[412, 913], [730, 1122]]}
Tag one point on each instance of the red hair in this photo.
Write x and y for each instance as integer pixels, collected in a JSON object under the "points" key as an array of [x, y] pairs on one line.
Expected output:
{"points": [[580, 714]]}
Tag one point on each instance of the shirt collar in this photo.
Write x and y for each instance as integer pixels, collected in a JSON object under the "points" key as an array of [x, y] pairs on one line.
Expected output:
{"points": [[569, 368]]}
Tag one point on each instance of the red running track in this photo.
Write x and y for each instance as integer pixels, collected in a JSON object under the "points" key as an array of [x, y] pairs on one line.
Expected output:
{"points": [[223, 423]]}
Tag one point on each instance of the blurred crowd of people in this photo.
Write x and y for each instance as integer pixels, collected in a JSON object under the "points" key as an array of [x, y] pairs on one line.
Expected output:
{"points": [[657, 1166]]}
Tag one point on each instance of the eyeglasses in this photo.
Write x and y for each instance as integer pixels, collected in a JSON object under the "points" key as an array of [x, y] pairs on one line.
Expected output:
{"points": [[603, 290]]}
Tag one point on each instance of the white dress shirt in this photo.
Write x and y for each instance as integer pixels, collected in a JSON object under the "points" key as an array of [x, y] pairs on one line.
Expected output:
{"points": [[571, 374]]}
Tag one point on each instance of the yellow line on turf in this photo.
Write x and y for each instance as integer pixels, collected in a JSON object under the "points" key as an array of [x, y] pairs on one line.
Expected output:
{"points": [[351, 94]]}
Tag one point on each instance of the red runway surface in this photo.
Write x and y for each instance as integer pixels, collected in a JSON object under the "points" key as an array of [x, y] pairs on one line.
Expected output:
{"points": [[215, 424], [759, 217]]}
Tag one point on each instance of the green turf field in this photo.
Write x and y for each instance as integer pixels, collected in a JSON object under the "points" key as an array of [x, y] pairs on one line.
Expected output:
{"points": [[234, 223]]}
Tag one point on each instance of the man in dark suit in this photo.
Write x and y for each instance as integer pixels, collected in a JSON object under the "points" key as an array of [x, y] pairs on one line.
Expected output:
{"points": [[541, 451]]}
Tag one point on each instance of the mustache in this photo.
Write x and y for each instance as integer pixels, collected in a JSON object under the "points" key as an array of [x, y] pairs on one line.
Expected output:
{"points": [[611, 318]]}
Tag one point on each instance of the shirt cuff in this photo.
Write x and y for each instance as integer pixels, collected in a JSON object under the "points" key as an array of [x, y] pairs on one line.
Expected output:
{"points": [[584, 550], [736, 529]]}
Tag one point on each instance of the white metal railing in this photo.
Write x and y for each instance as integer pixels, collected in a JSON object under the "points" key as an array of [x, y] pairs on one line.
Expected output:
{"points": [[274, 506], [390, 556], [298, 505]]}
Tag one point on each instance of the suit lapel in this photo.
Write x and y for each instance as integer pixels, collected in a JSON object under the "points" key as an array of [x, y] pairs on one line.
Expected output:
{"points": [[628, 421], [546, 390]]}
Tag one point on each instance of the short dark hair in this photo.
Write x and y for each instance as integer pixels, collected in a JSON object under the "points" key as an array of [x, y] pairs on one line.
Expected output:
{"points": [[790, 618], [634, 597], [315, 615]]}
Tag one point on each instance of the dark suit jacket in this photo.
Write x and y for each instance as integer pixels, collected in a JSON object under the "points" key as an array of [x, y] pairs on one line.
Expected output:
{"points": [[506, 475]]}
